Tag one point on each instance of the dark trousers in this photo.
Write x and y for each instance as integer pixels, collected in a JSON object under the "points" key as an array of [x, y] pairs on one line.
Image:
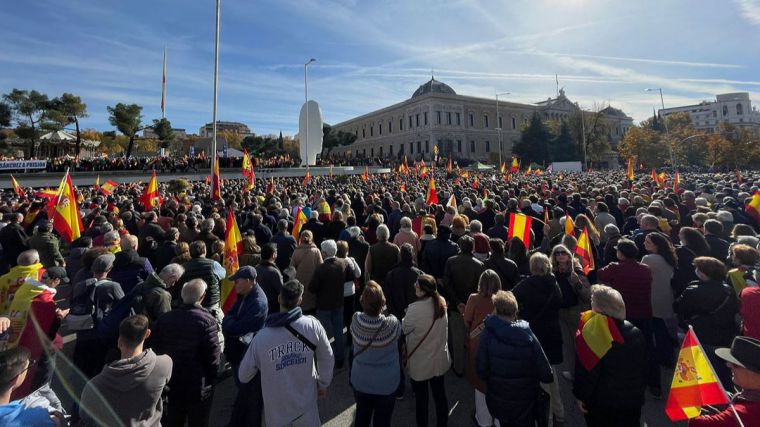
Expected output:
{"points": [[438, 389], [600, 416], [373, 408], [89, 356], [248, 408], [664, 344], [195, 412], [348, 314], [652, 373]]}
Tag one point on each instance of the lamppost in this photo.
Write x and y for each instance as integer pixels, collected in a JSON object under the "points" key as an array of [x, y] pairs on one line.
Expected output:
{"points": [[498, 123], [665, 123], [306, 100], [583, 134]]}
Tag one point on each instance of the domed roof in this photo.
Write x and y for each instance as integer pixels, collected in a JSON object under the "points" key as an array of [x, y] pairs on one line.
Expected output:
{"points": [[433, 86]]}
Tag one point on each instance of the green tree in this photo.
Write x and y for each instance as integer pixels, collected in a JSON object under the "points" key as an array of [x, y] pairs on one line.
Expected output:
{"points": [[562, 147], [163, 130], [29, 109], [68, 109], [128, 120], [591, 128], [533, 146], [645, 144], [5, 115]]}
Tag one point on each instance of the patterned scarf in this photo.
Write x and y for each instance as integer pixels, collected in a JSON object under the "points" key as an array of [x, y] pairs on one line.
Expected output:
{"points": [[364, 327]]}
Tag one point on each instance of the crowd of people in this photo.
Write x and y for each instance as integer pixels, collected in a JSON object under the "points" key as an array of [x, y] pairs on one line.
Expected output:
{"points": [[396, 290]]}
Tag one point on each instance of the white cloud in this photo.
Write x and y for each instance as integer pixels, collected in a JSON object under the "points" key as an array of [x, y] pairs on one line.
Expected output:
{"points": [[750, 9]]}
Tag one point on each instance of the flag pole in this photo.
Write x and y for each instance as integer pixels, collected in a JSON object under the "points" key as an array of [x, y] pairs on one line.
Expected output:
{"points": [[63, 185], [216, 81], [730, 404]]}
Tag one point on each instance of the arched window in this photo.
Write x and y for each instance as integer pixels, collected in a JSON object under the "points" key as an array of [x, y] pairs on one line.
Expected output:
{"points": [[725, 110], [739, 109]]}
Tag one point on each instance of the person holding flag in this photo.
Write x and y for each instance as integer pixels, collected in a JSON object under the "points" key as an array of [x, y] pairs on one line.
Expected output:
{"points": [[610, 363], [17, 188]]}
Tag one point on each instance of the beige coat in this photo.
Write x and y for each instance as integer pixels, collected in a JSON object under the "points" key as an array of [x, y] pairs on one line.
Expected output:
{"points": [[306, 259], [431, 359]]}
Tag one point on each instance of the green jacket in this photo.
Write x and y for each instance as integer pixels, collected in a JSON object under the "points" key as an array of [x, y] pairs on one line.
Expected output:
{"points": [[48, 246]]}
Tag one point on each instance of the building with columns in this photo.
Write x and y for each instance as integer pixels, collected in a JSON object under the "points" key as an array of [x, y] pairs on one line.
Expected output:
{"points": [[462, 126], [733, 108]]}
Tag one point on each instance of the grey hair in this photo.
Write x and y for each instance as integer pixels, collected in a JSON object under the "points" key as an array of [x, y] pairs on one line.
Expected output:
{"points": [[607, 301], [128, 242], [354, 231], [383, 234], [28, 257], [405, 222], [111, 237], [611, 230], [172, 233], [193, 290], [489, 283], [207, 224], [540, 265], [172, 270], [329, 248], [476, 226], [106, 227]]}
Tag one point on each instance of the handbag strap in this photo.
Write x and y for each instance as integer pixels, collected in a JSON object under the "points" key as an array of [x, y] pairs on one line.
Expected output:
{"points": [[409, 355], [374, 336]]}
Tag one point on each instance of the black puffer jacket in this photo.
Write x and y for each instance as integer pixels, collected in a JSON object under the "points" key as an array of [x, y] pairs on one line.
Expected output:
{"points": [[189, 336], [436, 253], [617, 381], [711, 308], [511, 362], [539, 300], [505, 268], [399, 288]]}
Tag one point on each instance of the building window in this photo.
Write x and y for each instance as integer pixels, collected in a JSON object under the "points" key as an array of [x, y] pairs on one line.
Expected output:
{"points": [[364, 133], [427, 146], [425, 118], [410, 121], [459, 145], [488, 146], [472, 146], [448, 117], [739, 109], [459, 119], [417, 119], [400, 148], [419, 146], [485, 120], [372, 152], [390, 126], [371, 131], [400, 124], [380, 129], [725, 110], [381, 151], [438, 117], [411, 148], [472, 120], [390, 150], [501, 123]]}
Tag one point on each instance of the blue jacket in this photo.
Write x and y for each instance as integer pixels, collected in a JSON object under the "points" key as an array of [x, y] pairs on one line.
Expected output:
{"points": [[246, 316], [511, 362]]}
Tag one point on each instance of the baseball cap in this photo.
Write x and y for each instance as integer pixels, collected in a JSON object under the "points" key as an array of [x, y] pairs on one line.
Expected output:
{"points": [[56, 273], [245, 272], [103, 263]]}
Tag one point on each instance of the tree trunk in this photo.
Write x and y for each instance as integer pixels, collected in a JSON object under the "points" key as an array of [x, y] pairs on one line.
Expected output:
{"points": [[34, 132], [130, 146]]}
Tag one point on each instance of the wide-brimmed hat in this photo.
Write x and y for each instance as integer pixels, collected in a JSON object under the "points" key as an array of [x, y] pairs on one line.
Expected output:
{"points": [[744, 352]]}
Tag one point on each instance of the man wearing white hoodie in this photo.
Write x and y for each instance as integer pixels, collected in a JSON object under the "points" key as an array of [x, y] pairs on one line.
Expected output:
{"points": [[296, 363]]}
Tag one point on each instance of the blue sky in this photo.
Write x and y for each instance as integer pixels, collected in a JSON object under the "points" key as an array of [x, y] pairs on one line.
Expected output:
{"points": [[372, 53]]}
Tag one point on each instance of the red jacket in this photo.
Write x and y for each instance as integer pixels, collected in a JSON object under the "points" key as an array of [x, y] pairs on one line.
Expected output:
{"points": [[747, 405], [750, 301], [634, 281]]}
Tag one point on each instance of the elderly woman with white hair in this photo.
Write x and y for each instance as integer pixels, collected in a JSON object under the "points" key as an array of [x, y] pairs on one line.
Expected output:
{"points": [[382, 256], [609, 371], [407, 235]]}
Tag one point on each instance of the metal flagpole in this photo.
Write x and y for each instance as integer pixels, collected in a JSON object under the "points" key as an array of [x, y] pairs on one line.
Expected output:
{"points": [[216, 79], [163, 89]]}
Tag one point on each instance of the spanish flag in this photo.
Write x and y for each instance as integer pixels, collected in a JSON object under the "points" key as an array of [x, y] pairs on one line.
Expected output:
{"points": [[654, 176], [365, 175], [216, 181], [475, 183], [150, 198], [17, 188], [694, 382], [66, 218], [503, 167], [404, 168], [676, 181], [515, 165], [299, 221], [452, 202], [233, 245], [753, 208], [449, 166], [519, 226], [569, 225], [583, 250], [629, 169], [402, 188], [594, 337], [432, 196], [307, 178], [530, 169], [247, 166], [108, 187], [270, 186], [423, 170]]}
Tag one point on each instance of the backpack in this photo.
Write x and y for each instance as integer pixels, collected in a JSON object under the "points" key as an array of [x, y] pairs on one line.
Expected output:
{"points": [[81, 316], [132, 303]]}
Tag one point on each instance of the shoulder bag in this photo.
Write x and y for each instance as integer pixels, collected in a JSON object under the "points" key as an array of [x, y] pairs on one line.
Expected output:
{"points": [[408, 355]]}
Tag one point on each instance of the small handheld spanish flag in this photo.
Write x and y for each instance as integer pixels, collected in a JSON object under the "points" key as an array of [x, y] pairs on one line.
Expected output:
{"points": [[17, 188], [569, 225], [365, 175], [432, 196], [583, 250], [307, 178], [519, 226]]}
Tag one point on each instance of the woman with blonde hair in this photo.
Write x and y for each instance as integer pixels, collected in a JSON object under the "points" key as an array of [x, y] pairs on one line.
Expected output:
{"points": [[306, 258], [479, 306], [583, 222], [251, 254], [426, 327], [540, 299]]}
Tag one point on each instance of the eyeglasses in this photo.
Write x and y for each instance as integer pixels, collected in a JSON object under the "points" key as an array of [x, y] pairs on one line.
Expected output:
{"points": [[32, 362]]}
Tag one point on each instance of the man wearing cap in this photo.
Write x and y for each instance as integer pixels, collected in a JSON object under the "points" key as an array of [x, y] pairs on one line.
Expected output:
{"points": [[13, 238], [47, 244], [743, 358], [35, 300]]}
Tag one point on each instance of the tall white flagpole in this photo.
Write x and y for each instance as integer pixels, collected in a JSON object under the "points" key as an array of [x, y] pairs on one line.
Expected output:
{"points": [[216, 73], [163, 89]]}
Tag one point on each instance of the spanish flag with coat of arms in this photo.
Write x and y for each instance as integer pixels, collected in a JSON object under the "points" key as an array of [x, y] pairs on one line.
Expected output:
{"points": [[66, 218]]}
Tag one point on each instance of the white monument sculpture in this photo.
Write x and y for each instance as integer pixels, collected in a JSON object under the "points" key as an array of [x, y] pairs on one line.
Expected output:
{"points": [[310, 132]]}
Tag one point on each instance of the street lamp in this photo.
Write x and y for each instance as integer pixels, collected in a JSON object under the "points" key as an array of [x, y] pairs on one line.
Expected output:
{"points": [[498, 122], [583, 134], [665, 123], [306, 100]]}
